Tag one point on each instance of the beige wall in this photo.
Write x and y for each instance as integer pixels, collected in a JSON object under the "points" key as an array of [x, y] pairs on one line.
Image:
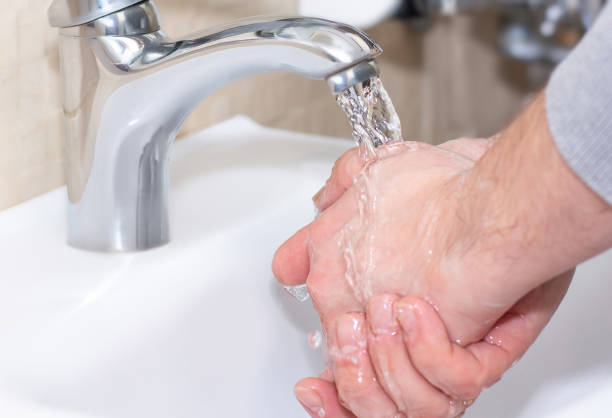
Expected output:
{"points": [[31, 142], [444, 82]]}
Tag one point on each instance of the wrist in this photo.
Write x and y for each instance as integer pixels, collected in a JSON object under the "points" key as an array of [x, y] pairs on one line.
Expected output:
{"points": [[522, 215]]}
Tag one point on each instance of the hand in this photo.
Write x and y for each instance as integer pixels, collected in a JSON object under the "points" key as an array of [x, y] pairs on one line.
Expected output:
{"points": [[414, 369], [471, 239], [419, 395], [409, 228]]}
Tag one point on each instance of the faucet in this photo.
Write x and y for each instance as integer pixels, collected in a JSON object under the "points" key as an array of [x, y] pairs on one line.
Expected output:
{"points": [[127, 88]]}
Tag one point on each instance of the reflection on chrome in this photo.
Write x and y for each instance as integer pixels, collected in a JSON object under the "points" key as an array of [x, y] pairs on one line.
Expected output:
{"points": [[127, 89]]}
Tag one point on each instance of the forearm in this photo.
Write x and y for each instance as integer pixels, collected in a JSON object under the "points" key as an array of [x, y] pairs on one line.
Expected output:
{"points": [[523, 215]]}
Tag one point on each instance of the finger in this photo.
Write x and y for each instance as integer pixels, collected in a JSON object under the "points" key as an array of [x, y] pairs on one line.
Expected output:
{"points": [[332, 295], [355, 378], [345, 169], [412, 394], [432, 352], [516, 331], [468, 147], [291, 261], [463, 372], [320, 399]]}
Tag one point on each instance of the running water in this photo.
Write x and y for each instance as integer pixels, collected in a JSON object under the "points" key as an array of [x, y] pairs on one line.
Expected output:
{"points": [[371, 115], [374, 121], [375, 124]]}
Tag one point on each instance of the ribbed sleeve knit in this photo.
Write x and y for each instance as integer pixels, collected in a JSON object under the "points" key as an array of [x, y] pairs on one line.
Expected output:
{"points": [[579, 106]]}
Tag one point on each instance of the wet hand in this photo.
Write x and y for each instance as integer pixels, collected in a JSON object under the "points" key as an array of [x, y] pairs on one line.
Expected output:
{"points": [[402, 363], [411, 196], [386, 232]]}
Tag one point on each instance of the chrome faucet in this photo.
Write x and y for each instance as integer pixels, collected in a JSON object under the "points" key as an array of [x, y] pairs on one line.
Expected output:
{"points": [[127, 89]]}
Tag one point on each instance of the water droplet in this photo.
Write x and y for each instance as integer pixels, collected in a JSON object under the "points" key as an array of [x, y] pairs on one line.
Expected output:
{"points": [[315, 339], [494, 341], [299, 292]]}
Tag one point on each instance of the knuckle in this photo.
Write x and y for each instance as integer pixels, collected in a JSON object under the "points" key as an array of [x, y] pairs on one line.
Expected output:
{"points": [[350, 392], [345, 397], [463, 381], [345, 401], [467, 387]]}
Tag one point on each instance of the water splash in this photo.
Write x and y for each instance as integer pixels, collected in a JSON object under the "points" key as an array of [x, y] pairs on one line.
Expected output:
{"points": [[299, 292]]}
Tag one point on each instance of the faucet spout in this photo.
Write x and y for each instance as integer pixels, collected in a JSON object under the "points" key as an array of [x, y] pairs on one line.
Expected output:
{"points": [[127, 89]]}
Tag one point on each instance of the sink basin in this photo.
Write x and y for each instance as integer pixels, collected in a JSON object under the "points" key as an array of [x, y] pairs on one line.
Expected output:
{"points": [[196, 328], [199, 328]]}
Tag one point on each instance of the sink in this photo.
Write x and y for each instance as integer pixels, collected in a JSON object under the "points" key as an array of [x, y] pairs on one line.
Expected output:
{"points": [[196, 328], [200, 328], [567, 373]]}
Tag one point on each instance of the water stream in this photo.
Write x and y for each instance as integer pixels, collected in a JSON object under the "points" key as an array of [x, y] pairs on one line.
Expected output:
{"points": [[374, 123], [372, 116]]}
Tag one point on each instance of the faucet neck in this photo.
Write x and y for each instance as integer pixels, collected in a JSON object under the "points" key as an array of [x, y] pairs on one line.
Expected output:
{"points": [[127, 89]]}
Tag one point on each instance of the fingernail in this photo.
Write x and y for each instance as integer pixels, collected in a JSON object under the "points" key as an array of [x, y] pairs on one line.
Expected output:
{"points": [[310, 400], [318, 194], [350, 334], [381, 315], [316, 199]]}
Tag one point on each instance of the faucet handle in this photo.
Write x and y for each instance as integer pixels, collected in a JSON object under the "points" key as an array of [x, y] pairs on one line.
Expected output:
{"points": [[66, 13]]}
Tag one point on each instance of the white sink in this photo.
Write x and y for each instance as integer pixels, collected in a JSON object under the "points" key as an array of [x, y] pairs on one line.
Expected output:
{"points": [[200, 328]]}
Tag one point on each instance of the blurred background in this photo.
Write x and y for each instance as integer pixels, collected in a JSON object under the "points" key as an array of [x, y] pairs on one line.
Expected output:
{"points": [[452, 67]]}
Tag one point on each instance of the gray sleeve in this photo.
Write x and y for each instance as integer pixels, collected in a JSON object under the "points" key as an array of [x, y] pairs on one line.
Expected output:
{"points": [[579, 107]]}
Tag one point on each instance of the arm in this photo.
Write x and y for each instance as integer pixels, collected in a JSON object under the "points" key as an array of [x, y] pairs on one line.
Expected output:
{"points": [[531, 208], [524, 211], [521, 216]]}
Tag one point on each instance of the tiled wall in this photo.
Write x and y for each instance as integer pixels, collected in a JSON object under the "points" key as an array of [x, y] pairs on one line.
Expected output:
{"points": [[444, 82]]}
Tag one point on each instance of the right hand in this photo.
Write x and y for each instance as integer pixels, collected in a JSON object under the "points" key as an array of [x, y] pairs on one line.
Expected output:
{"points": [[497, 231], [436, 373]]}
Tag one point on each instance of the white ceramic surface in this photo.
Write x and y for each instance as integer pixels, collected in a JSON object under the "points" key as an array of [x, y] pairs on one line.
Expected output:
{"points": [[199, 328]]}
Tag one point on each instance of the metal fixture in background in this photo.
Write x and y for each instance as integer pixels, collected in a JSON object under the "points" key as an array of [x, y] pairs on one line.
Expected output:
{"points": [[127, 89], [532, 30]]}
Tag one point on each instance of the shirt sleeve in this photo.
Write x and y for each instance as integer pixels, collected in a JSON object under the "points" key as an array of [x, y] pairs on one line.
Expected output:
{"points": [[579, 106]]}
